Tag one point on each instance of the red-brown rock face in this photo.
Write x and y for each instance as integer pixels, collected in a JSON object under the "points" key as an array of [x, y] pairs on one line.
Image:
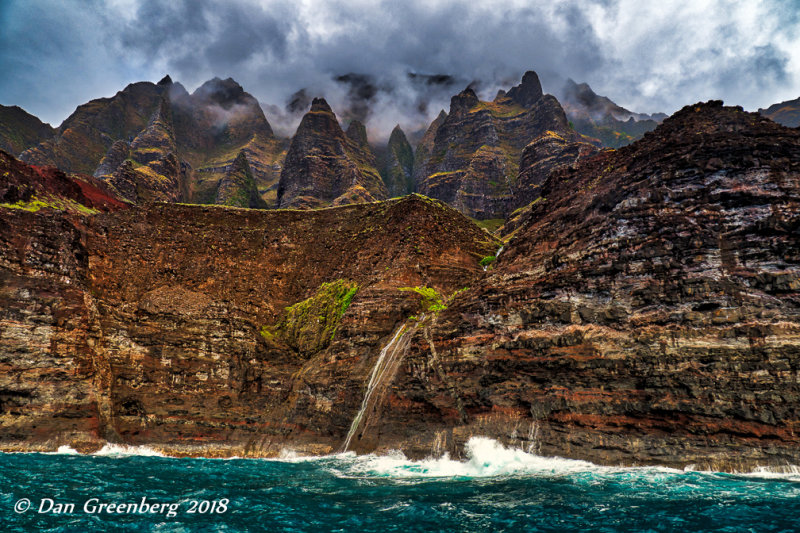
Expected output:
{"points": [[156, 142], [543, 155], [648, 310], [154, 325]]}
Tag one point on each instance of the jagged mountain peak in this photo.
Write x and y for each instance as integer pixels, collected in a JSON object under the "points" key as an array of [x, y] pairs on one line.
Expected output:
{"points": [[325, 166], [357, 132], [320, 105], [166, 80], [463, 101], [397, 135], [528, 91], [225, 92]]}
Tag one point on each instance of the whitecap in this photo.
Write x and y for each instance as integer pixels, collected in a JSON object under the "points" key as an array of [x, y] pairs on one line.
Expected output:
{"points": [[123, 450], [485, 457], [63, 450]]}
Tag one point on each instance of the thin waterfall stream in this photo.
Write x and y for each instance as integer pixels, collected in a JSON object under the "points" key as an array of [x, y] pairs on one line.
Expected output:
{"points": [[384, 369]]}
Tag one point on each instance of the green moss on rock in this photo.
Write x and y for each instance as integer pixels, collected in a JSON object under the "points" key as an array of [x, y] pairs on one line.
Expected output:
{"points": [[310, 325], [431, 302]]}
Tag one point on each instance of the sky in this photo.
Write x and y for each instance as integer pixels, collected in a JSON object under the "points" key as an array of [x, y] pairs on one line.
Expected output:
{"points": [[390, 62]]}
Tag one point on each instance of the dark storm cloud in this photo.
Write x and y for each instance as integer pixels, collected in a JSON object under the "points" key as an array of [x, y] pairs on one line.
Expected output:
{"points": [[393, 62], [193, 36]]}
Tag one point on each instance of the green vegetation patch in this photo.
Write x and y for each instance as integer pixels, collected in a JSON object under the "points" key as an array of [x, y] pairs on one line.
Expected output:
{"points": [[310, 325], [491, 224], [488, 260], [61, 204], [432, 301]]}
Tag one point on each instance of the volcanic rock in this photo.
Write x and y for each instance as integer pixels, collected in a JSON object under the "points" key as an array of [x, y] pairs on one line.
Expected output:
{"points": [[473, 162], [545, 154], [182, 157], [167, 324], [528, 92], [19, 130], [324, 166], [646, 312]]}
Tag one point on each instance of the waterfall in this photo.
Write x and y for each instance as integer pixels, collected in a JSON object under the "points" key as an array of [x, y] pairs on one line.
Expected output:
{"points": [[385, 366]]}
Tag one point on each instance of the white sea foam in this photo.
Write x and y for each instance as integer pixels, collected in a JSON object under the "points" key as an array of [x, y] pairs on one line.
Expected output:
{"points": [[67, 450], [123, 450], [63, 450], [787, 472], [485, 458]]}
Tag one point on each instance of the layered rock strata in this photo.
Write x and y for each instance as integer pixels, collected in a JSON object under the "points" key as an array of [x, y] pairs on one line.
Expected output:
{"points": [[172, 325], [646, 312], [324, 166], [472, 163]]}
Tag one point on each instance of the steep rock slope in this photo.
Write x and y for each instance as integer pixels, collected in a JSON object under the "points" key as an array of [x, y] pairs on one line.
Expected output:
{"points": [[32, 188], [85, 136], [398, 164], [474, 159], [238, 187], [786, 113], [425, 148], [599, 118], [543, 155], [214, 125], [19, 130], [324, 166], [647, 311], [148, 169]]}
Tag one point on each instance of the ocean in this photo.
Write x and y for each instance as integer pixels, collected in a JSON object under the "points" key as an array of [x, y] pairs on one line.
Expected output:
{"points": [[496, 489]]}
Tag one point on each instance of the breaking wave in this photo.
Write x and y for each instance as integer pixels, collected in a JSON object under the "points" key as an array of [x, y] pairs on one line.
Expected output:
{"points": [[123, 450], [485, 457]]}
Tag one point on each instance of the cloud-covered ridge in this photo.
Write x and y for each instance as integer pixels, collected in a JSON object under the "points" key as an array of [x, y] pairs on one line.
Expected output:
{"points": [[388, 62]]}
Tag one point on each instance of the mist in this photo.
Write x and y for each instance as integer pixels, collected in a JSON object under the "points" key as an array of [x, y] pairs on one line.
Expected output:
{"points": [[385, 63]]}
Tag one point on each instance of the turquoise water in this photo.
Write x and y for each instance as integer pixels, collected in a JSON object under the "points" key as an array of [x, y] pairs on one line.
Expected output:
{"points": [[498, 489]]}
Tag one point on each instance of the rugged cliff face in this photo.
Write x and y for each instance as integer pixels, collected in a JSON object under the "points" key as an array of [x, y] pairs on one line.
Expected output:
{"points": [[148, 169], [544, 155], [647, 311], [425, 148], [473, 162], [324, 166], [213, 126], [177, 326]]}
